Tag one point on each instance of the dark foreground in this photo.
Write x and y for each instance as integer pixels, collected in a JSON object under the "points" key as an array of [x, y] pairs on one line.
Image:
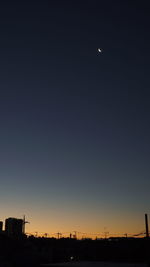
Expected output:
{"points": [[34, 252], [96, 264]]}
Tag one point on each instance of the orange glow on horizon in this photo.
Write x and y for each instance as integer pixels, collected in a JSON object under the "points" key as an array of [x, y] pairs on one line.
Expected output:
{"points": [[85, 224]]}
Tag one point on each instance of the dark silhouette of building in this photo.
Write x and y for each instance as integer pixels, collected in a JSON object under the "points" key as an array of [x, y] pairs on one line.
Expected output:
{"points": [[14, 227]]}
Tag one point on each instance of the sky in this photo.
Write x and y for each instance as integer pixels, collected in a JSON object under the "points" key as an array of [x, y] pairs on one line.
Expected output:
{"points": [[75, 123]]}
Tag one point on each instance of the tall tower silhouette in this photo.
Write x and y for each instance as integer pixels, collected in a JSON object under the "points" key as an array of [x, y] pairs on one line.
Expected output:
{"points": [[146, 225]]}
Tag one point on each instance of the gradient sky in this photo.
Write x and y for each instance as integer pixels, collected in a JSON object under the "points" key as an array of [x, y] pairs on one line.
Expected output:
{"points": [[75, 124]]}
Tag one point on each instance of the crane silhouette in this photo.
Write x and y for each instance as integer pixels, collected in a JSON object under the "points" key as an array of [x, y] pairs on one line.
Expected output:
{"points": [[24, 223]]}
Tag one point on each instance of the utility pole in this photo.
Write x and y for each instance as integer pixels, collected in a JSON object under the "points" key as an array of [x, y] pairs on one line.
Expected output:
{"points": [[146, 226], [106, 234], [58, 235]]}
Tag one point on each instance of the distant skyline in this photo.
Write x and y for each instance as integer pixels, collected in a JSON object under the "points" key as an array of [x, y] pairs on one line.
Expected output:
{"points": [[75, 123]]}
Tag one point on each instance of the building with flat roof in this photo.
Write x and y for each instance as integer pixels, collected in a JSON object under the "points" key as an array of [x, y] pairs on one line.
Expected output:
{"points": [[14, 227]]}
